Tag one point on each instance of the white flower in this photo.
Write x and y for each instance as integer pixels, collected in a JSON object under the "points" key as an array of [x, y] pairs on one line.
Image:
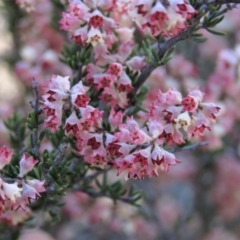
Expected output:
{"points": [[183, 120], [12, 190], [94, 37]]}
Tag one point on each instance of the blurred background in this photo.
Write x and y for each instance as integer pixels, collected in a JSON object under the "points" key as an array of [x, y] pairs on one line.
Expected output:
{"points": [[198, 199]]}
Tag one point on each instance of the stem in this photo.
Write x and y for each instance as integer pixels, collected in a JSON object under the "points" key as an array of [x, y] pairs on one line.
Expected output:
{"points": [[94, 193], [94, 175], [35, 106], [60, 152], [188, 148]]}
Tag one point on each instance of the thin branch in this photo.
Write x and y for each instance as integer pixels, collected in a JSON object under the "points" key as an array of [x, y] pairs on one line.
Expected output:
{"points": [[78, 74], [220, 2], [162, 49], [60, 152], [188, 148], [227, 8], [94, 175], [35, 106], [95, 193]]}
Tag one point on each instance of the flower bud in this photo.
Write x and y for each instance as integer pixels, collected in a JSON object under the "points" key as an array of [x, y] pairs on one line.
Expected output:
{"points": [[5, 156], [26, 164]]}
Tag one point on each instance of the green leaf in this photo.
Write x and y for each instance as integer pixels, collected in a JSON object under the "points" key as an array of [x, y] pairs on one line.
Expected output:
{"points": [[215, 32], [199, 40], [215, 21]]}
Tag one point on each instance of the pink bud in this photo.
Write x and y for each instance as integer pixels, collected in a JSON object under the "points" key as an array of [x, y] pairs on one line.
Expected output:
{"points": [[5, 156], [38, 185], [26, 164], [115, 118]]}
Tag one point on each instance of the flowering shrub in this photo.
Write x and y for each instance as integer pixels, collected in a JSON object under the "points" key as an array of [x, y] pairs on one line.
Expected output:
{"points": [[109, 102]]}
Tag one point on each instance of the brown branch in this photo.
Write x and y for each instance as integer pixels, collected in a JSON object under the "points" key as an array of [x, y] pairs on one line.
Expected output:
{"points": [[162, 49], [60, 152], [37, 110]]}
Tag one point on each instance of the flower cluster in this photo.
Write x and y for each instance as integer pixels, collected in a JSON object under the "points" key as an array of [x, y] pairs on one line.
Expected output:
{"points": [[15, 193], [157, 18], [58, 97], [114, 78], [137, 151], [86, 22]]}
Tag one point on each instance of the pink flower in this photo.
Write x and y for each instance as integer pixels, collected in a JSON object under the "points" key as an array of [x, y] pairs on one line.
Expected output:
{"points": [[80, 35], [155, 128], [96, 19], [109, 95], [183, 7], [26, 164], [101, 53], [124, 50], [78, 9], [115, 119], [29, 192], [38, 185], [136, 63], [78, 97], [131, 133], [210, 110], [53, 112], [104, 80], [58, 85], [124, 83], [171, 97], [109, 24], [91, 118], [157, 154], [115, 69], [119, 149], [5, 156], [68, 22], [158, 14], [124, 164], [72, 125], [189, 104]]}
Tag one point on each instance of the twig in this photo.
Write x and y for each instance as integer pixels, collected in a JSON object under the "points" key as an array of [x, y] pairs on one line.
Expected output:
{"points": [[162, 49], [227, 8], [78, 74], [95, 193], [220, 2], [188, 148], [60, 152], [35, 106], [94, 175]]}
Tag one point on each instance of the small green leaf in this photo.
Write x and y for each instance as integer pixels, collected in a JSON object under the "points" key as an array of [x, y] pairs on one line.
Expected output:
{"points": [[199, 40], [215, 32]]}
